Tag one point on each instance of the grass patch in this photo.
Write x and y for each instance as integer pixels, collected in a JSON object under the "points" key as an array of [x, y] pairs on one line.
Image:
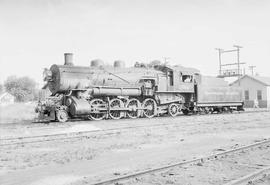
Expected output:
{"points": [[17, 112]]}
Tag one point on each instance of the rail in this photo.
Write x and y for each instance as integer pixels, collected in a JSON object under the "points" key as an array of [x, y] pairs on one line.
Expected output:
{"points": [[161, 168]]}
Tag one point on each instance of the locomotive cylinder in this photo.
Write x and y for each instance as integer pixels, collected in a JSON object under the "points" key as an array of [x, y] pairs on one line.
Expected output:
{"points": [[79, 107]]}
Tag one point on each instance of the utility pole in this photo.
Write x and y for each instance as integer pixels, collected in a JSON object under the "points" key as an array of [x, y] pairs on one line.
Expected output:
{"points": [[219, 59], [238, 59], [229, 72], [252, 69]]}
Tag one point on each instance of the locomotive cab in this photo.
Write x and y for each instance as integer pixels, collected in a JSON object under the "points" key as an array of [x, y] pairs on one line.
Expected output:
{"points": [[178, 79]]}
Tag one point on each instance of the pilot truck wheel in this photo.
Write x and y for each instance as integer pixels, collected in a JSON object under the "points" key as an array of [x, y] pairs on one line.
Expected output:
{"points": [[62, 116]]}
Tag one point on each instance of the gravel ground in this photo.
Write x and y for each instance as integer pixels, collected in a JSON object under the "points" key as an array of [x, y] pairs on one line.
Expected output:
{"points": [[98, 155], [263, 181], [217, 172]]}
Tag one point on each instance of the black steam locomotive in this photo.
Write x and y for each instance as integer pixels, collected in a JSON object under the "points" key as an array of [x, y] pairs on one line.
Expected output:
{"points": [[99, 92]]}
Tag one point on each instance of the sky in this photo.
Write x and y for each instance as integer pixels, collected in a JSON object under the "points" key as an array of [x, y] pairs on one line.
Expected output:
{"points": [[34, 34]]}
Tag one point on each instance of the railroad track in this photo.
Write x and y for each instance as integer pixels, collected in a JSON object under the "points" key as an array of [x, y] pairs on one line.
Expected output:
{"points": [[216, 156], [79, 134], [252, 177], [62, 136], [74, 122], [70, 135]]}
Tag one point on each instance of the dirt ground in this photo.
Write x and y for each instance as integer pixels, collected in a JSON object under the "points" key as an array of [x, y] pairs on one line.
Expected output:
{"points": [[17, 113], [217, 171], [102, 155], [263, 181]]}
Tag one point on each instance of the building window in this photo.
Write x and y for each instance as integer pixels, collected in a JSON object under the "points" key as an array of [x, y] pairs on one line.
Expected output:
{"points": [[259, 95], [246, 95]]}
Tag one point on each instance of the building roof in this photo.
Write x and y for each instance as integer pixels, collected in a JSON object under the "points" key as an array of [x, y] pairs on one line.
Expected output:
{"points": [[2, 95], [261, 79], [265, 80]]}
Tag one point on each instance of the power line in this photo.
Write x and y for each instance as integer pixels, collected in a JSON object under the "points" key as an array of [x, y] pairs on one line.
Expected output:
{"points": [[229, 72]]}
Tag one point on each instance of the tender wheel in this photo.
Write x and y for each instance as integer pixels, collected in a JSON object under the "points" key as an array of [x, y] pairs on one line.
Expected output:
{"points": [[185, 111], [149, 108], [173, 109], [133, 105], [97, 114], [116, 104], [200, 110], [62, 116], [226, 109], [206, 110]]}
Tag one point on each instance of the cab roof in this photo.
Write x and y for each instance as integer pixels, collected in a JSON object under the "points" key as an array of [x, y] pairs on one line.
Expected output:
{"points": [[179, 68]]}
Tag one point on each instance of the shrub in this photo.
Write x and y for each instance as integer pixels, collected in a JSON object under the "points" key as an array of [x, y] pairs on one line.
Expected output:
{"points": [[23, 88]]}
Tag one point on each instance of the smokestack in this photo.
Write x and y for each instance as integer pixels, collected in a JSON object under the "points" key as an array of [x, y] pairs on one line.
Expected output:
{"points": [[68, 59]]}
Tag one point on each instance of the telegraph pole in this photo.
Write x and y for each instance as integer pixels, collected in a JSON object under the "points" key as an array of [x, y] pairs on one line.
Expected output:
{"points": [[219, 58], [229, 72], [252, 69], [238, 59]]}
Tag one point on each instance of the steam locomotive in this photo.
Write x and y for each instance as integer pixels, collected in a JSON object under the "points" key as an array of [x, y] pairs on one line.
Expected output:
{"points": [[101, 92]]}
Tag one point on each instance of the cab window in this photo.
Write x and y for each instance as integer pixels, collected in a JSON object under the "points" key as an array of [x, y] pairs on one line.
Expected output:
{"points": [[187, 78], [170, 75]]}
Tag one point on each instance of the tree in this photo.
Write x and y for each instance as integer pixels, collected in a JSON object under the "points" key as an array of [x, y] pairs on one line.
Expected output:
{"points": [[1, 88], [154, 63], [23, 88]]}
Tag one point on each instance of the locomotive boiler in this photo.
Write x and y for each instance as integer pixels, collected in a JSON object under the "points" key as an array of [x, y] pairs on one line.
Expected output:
{"points": [[101, 92]]}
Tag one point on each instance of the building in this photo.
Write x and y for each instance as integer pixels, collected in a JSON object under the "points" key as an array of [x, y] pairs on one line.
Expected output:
{"points": [[6, 98], [254, 88]]}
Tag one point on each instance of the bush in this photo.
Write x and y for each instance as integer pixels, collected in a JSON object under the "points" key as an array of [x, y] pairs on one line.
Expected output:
{"points": [[1, 88], [23, 88]]}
